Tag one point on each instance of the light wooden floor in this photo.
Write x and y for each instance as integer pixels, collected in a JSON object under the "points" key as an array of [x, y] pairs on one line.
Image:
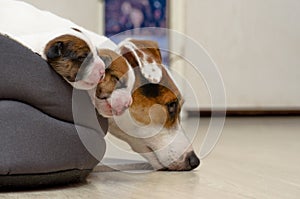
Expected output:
{"points": [[255, 158]]}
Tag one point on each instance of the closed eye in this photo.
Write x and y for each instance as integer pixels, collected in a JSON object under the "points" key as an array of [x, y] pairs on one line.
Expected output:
{"points": [[81, 58], [120, 84], [115, 77]]}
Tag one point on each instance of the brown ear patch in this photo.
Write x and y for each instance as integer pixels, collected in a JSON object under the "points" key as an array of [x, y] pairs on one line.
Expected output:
{"points": [[65, 53], [149, 48], [146, 55]]}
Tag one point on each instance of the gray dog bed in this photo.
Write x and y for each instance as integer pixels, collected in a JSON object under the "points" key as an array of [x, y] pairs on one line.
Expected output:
{"points": [[39, 143]]}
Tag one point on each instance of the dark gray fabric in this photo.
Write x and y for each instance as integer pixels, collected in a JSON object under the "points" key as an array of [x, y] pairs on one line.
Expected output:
{"points": [[26, 77], [9, 183], [38, 143], [37, 134]]}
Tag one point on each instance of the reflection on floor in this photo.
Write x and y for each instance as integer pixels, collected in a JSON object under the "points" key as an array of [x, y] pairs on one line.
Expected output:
{"points": [[254, 158]]}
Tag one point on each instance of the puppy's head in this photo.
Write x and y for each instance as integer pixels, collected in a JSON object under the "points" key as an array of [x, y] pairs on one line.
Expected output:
{"points": [[72, 58], [113, 92], [154, 129]]}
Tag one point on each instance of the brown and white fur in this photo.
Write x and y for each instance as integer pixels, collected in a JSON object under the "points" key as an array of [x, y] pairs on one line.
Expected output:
{"points": [[70, 49], [112, 96], [75, 60], [151, 125]]}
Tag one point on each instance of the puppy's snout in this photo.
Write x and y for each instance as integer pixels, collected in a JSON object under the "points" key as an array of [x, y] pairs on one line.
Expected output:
{"points": [[192, 160]]}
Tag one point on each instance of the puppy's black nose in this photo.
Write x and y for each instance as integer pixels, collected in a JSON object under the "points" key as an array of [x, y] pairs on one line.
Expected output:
{"points": [[193, 160]]}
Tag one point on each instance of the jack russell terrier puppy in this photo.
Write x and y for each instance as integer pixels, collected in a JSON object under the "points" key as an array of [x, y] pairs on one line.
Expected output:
{"points": [[70, 49], [112, 95], [151, 125]]}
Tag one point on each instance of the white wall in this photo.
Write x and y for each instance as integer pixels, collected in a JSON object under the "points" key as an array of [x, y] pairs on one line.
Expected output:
{"points": [[256, 45], [83, 12]]}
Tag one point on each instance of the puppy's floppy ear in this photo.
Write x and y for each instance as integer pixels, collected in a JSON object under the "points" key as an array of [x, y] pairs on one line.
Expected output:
{"points": [[128, 54], [151, 48], [146, 55], [55, 50], [131, 49]]}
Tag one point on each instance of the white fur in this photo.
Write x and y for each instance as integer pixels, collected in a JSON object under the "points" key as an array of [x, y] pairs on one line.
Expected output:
{"points": [[35, 27], [168, 146]]}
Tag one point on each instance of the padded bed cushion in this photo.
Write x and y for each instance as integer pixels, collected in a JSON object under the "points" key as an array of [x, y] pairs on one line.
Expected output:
{"points": [[39, 143]]}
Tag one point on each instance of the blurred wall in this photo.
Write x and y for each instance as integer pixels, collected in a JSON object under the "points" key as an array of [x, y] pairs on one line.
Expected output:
{"points": [[82, 12], [256, 45]]}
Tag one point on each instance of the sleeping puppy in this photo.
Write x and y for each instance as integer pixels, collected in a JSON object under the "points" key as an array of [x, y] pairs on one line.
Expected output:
{"points": [[76, 61], [112, 96], [151, 125], [70, 49]]}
